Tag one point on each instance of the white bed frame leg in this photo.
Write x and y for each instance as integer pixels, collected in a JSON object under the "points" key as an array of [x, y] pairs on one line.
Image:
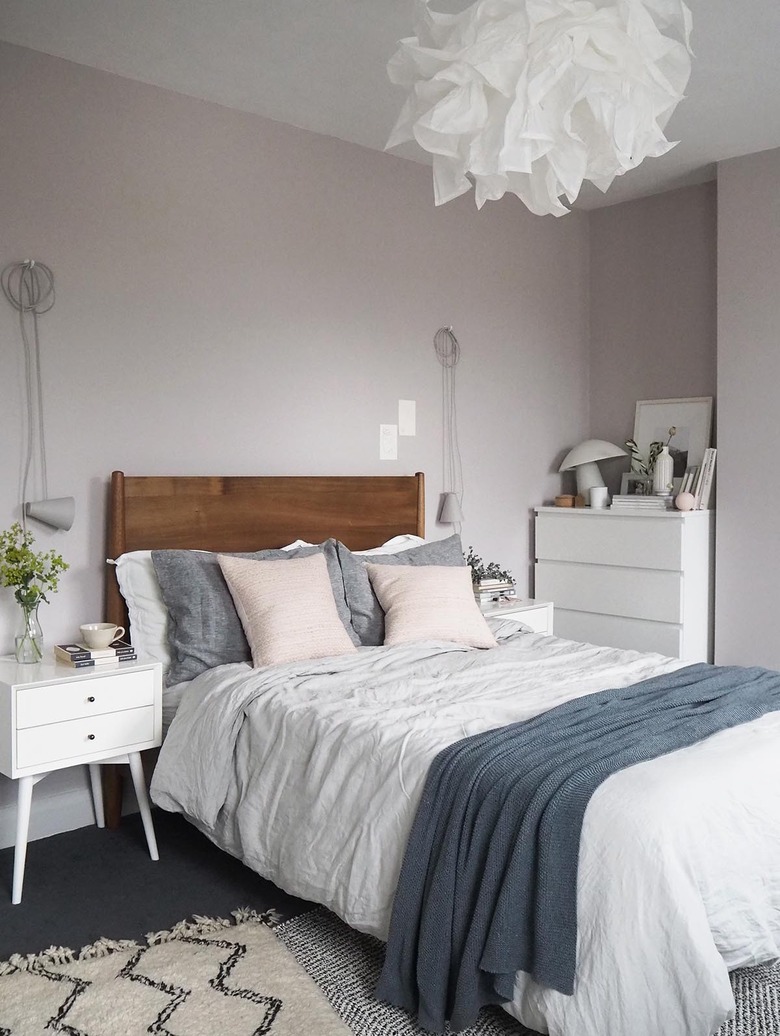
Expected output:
{"points": [[139, 783]]}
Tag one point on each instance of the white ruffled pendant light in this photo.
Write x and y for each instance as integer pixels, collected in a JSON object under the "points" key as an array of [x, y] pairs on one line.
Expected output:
{"points": [[533, 97]]}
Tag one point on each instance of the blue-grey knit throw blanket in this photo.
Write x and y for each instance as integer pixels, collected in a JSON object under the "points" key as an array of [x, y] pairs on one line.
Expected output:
{"points": [[488, 885]]}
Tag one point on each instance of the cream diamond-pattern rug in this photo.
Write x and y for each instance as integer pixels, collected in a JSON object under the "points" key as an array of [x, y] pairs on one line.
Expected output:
{"points": [[203, 978]]}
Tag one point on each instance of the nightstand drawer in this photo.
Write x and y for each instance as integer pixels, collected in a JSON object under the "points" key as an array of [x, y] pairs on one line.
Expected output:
{"points": [[53, 703], [110, 732], [537, 619], [536, 615]]}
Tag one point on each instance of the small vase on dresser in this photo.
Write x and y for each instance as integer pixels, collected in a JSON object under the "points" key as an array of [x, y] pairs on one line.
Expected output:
{"points": [[663, 472]]}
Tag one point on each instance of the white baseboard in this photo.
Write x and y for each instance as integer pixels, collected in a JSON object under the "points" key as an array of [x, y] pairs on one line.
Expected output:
{"points": [[61, 802]]}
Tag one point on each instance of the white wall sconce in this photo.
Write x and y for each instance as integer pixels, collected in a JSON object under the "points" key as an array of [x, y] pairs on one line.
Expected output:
{"points": [[450, 511], [29, 288], [57, 512]]}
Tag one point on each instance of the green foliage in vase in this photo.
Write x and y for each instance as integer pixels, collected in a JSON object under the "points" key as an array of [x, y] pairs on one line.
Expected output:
{"points": [[480, 570], [638, 463], [34, 574]]}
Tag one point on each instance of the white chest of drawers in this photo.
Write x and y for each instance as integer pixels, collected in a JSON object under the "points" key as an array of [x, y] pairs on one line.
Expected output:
{"points": [[642, 581], [53, 716]]}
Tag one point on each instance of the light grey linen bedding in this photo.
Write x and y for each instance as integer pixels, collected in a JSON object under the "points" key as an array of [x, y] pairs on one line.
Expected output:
{"points": [[311, 774]]}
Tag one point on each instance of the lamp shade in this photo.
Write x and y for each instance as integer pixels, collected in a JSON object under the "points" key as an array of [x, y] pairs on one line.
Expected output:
{"points": [[536, 97], [450, 509], [583, 459], [58, 512]]}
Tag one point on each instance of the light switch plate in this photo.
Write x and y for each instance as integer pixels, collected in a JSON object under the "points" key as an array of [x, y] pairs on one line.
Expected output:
{"points": [[407, 417], [388, 442]]}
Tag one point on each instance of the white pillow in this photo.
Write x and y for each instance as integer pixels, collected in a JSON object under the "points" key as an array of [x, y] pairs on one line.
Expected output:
{"points": [[287, 608], [146, 609], [429, 602], [394, 545], [391, 546], [145, 606]]}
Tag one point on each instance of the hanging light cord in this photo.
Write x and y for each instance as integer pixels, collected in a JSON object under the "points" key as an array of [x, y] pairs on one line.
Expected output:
{"points": [[29, 287], [447, 350]]}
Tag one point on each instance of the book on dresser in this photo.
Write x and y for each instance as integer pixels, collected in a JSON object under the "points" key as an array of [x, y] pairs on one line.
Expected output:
{"points": [[703, 486], [80, 656], [655, 502]]}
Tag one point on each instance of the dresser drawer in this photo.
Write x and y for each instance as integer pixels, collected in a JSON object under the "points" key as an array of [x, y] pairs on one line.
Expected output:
{"points": [[56, 742], [632, 541], [618, 632], [52, 703], [611, 591]]}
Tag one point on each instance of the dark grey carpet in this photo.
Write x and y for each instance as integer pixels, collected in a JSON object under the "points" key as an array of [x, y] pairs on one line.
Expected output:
{"points": [[89, 883]]}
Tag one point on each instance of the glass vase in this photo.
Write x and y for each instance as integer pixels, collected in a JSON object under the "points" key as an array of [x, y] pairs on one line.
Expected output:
{"points": [[29, 639]]}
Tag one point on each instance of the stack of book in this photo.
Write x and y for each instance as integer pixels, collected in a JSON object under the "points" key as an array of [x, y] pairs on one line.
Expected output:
{"points": [[626, 502], [488, 591], [80, 656]]}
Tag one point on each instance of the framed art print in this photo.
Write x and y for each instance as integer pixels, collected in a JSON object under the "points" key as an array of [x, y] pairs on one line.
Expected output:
{"points": [[686, 424]]}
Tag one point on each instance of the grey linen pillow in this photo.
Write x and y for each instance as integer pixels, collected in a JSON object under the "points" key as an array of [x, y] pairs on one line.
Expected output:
{"points": [[368, 619], [204, 629]]}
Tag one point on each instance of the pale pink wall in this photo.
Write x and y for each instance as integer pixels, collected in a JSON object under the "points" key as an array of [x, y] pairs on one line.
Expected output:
{"points": [[653, 306], [748, 527], [235, 295]]}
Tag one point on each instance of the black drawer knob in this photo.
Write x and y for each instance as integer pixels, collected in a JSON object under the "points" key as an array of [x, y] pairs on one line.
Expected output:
{"points": [[90, 737], [91, 698]]}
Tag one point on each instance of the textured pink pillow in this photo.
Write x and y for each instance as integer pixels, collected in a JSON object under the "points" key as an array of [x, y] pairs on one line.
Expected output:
{"points": [[430, 602], [287, 608]]}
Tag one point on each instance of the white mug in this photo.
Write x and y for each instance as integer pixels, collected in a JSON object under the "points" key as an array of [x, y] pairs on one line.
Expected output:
{"points": [[100, 635], [599, 496]]}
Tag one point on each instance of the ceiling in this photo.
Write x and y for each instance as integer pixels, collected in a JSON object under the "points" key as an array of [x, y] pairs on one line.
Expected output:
{"points": [[320, 65]]}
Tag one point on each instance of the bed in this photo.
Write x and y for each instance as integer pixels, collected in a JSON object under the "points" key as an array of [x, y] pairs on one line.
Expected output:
{"points": [[313, 778]]}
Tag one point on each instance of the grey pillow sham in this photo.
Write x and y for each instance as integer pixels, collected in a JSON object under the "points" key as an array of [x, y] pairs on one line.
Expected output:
{"points": [[368, 619], [204, 629]]}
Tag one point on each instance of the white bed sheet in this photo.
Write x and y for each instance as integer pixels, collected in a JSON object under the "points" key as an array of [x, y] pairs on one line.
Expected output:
{"points": [[312, 778], [171, 700]]}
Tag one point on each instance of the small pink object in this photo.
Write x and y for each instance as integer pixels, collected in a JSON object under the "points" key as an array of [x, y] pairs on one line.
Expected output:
{"points": [[685, 501]]}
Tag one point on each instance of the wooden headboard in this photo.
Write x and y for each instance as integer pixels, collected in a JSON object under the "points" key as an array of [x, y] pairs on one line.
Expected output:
{"points": [[237, 513]]}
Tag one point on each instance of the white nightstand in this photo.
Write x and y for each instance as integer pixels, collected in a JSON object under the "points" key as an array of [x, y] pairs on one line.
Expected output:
{"points": [[536, 614], [53, 716]]}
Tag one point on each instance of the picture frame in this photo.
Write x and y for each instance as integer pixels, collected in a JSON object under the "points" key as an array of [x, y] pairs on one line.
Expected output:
{"points": [[690, 416], [634, 484]]}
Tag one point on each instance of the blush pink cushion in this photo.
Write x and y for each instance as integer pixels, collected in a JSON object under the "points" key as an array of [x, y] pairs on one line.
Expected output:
{"points": [[287, 608], [430, 602]]}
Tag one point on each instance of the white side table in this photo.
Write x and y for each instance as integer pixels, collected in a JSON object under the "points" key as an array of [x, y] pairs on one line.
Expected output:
{"points": [[53, 716], [536, 614]]}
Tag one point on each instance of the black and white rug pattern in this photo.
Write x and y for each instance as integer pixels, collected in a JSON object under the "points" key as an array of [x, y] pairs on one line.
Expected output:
{"points": [[345, 965], [206, 977]]}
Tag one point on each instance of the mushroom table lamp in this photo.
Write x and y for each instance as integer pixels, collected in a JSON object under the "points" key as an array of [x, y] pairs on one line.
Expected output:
{"points": [[583, 459]]}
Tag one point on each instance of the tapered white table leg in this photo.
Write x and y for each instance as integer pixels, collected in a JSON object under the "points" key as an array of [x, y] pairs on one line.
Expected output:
{"points": [[97, 793], [23, 803], [139, 783]]}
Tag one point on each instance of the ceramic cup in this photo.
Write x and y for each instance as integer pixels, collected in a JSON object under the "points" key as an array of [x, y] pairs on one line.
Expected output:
{"points": [[599, 496], [100, 635]]}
